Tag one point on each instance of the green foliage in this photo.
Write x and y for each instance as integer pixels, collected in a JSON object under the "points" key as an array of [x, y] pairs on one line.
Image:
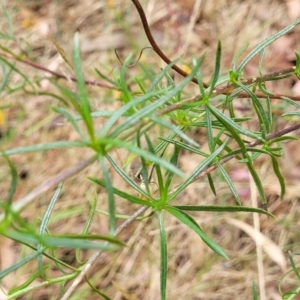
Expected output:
{"points": [[151, 106]]}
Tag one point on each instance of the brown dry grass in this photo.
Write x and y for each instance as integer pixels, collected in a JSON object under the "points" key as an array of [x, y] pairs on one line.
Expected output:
{"points": [[194, 271]]}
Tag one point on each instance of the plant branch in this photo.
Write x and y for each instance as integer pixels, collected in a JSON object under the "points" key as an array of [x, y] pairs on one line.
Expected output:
{"points": [[267, 77], [252, 145]]}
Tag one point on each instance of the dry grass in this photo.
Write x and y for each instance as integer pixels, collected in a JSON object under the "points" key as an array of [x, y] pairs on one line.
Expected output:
{"points": [[194, 271]]}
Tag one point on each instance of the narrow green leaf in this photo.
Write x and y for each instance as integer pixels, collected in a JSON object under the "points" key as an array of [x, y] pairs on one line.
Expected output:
{"points": [[26, 291], [72, 120], [290, 101], [237, 56], [5, 77], [97, 114], [249, 160], [141, 85], [199, 77], [210, 137], [32, 256], [87, 225], [18, 265], [257, 182], [217, 139], [76, 241], [294, 267], [89, 220], [297, 62], [267, 42], [119, 216], [85, 105], [185, 146], [9, 21], [278, 175], [163, 144], [161, 75], [190, 222], [229, 123], [223, 208], [72, 97], [149, 109], [49, 210], [217, 68], [24, 285], [144, 171], [198, 170], [229, 183], [43, 147], [157, 167], [124, 110], [163, 257], [44, 224], [175, 129], [275, 168], [269, 111], [103, 295], [170, 83], [254, 291], [108, 79], [258, 107], [140, 152], [211, 184], [13, 68], [262, 87], [291, 113], [110, 196], [50, 94], [126, 196], [126, 96], [261, 57], [129, 180], [283, 138], [170, 175], [14, 180]]}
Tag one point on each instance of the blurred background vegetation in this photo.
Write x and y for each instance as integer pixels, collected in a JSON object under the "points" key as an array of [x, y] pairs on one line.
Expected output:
{"points": [[182, 29]]}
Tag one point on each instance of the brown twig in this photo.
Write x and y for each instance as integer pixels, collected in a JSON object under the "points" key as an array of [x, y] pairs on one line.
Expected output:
{"points": [[132, 65], [155, 46]]}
